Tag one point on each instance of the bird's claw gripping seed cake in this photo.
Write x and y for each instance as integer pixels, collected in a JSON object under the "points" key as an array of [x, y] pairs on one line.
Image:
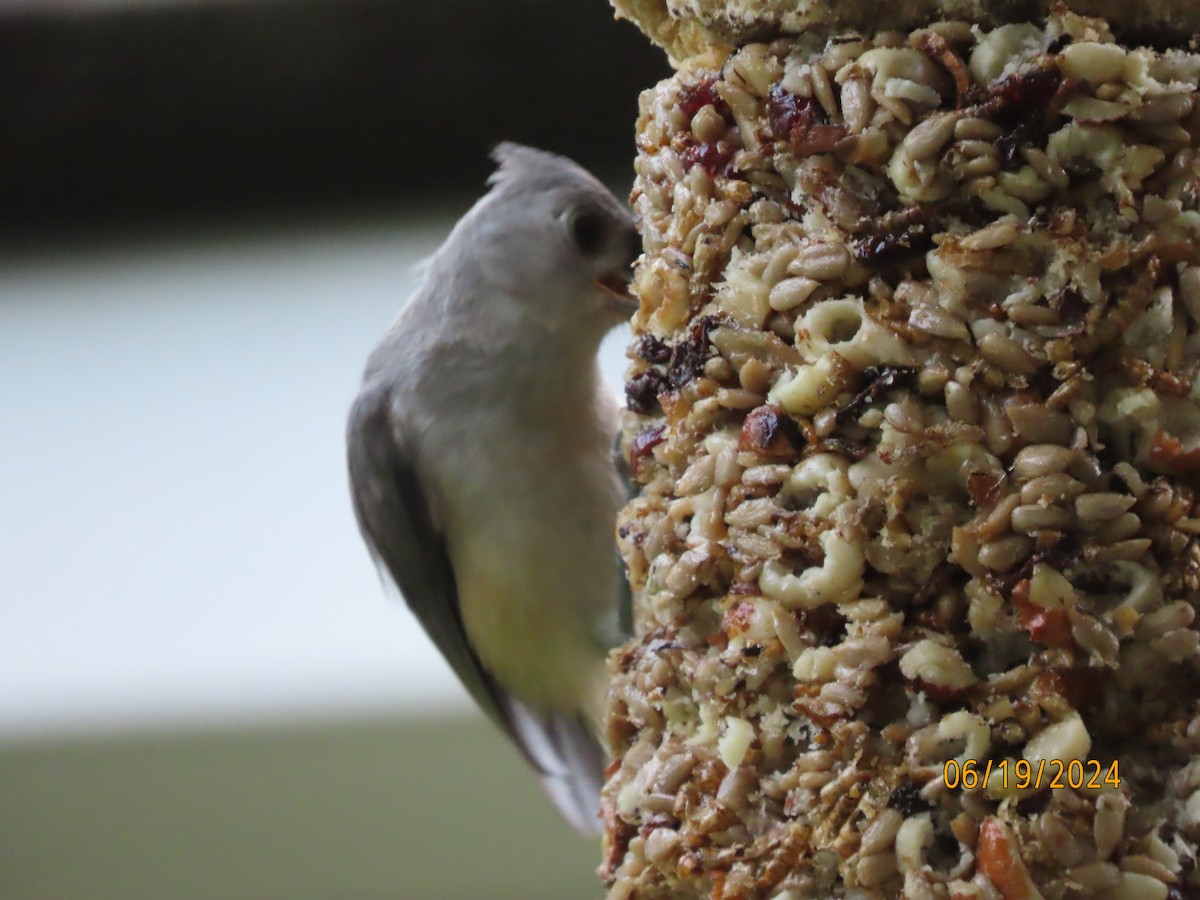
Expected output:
{"points": [[913, 410]]}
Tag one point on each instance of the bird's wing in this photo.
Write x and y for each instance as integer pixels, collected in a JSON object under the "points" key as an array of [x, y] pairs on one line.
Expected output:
{"points": [[395, 519]]}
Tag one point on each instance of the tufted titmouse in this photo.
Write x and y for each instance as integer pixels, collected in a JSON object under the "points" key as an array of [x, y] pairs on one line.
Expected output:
{"points": [[480, 464]]}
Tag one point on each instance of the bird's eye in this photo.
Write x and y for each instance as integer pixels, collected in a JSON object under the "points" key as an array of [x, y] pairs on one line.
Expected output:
{"points": [[587, 230]]}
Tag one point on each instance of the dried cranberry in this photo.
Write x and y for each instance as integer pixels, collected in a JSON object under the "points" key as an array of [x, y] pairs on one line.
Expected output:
{"points": [[713, 158], [653, 350], [689, 355], [704, 93], [641, 393], [644, 442], [1022, 103], [802, 122], [787, 112], [1026, 93]]}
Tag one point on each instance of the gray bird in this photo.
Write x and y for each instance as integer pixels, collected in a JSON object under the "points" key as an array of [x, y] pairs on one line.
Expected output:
{"points": [[480, 459]]}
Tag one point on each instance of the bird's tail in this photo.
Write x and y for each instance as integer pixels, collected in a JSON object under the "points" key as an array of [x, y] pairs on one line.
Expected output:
{"points": [[568, 758]]}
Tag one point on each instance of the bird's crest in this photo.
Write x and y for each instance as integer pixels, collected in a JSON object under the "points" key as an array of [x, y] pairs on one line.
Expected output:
{"points": [[517, 164]]}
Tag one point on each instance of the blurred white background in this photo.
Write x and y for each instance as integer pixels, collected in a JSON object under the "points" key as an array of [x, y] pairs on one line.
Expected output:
{"points": [[177, 541]]}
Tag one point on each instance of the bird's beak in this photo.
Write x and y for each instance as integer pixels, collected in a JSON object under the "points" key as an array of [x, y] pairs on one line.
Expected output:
{"points": [[618, 297]]}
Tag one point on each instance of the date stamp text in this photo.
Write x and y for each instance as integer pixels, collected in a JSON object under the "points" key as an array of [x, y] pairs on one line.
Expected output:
{"points": [[1022, 774]]}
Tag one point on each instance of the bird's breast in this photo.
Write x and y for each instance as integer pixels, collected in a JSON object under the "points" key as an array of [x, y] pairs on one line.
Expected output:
{"points": [[530, 531], [536, 582], [527, 496]]}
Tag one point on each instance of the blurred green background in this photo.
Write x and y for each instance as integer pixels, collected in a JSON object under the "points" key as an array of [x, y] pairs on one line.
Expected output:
{"points": [[361, 810]]}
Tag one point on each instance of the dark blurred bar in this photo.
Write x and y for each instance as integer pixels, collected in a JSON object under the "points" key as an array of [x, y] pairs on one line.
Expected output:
{"points": [[171, 112]]}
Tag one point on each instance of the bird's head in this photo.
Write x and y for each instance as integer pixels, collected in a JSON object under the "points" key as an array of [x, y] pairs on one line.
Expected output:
{"points": [[565, 243]]}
